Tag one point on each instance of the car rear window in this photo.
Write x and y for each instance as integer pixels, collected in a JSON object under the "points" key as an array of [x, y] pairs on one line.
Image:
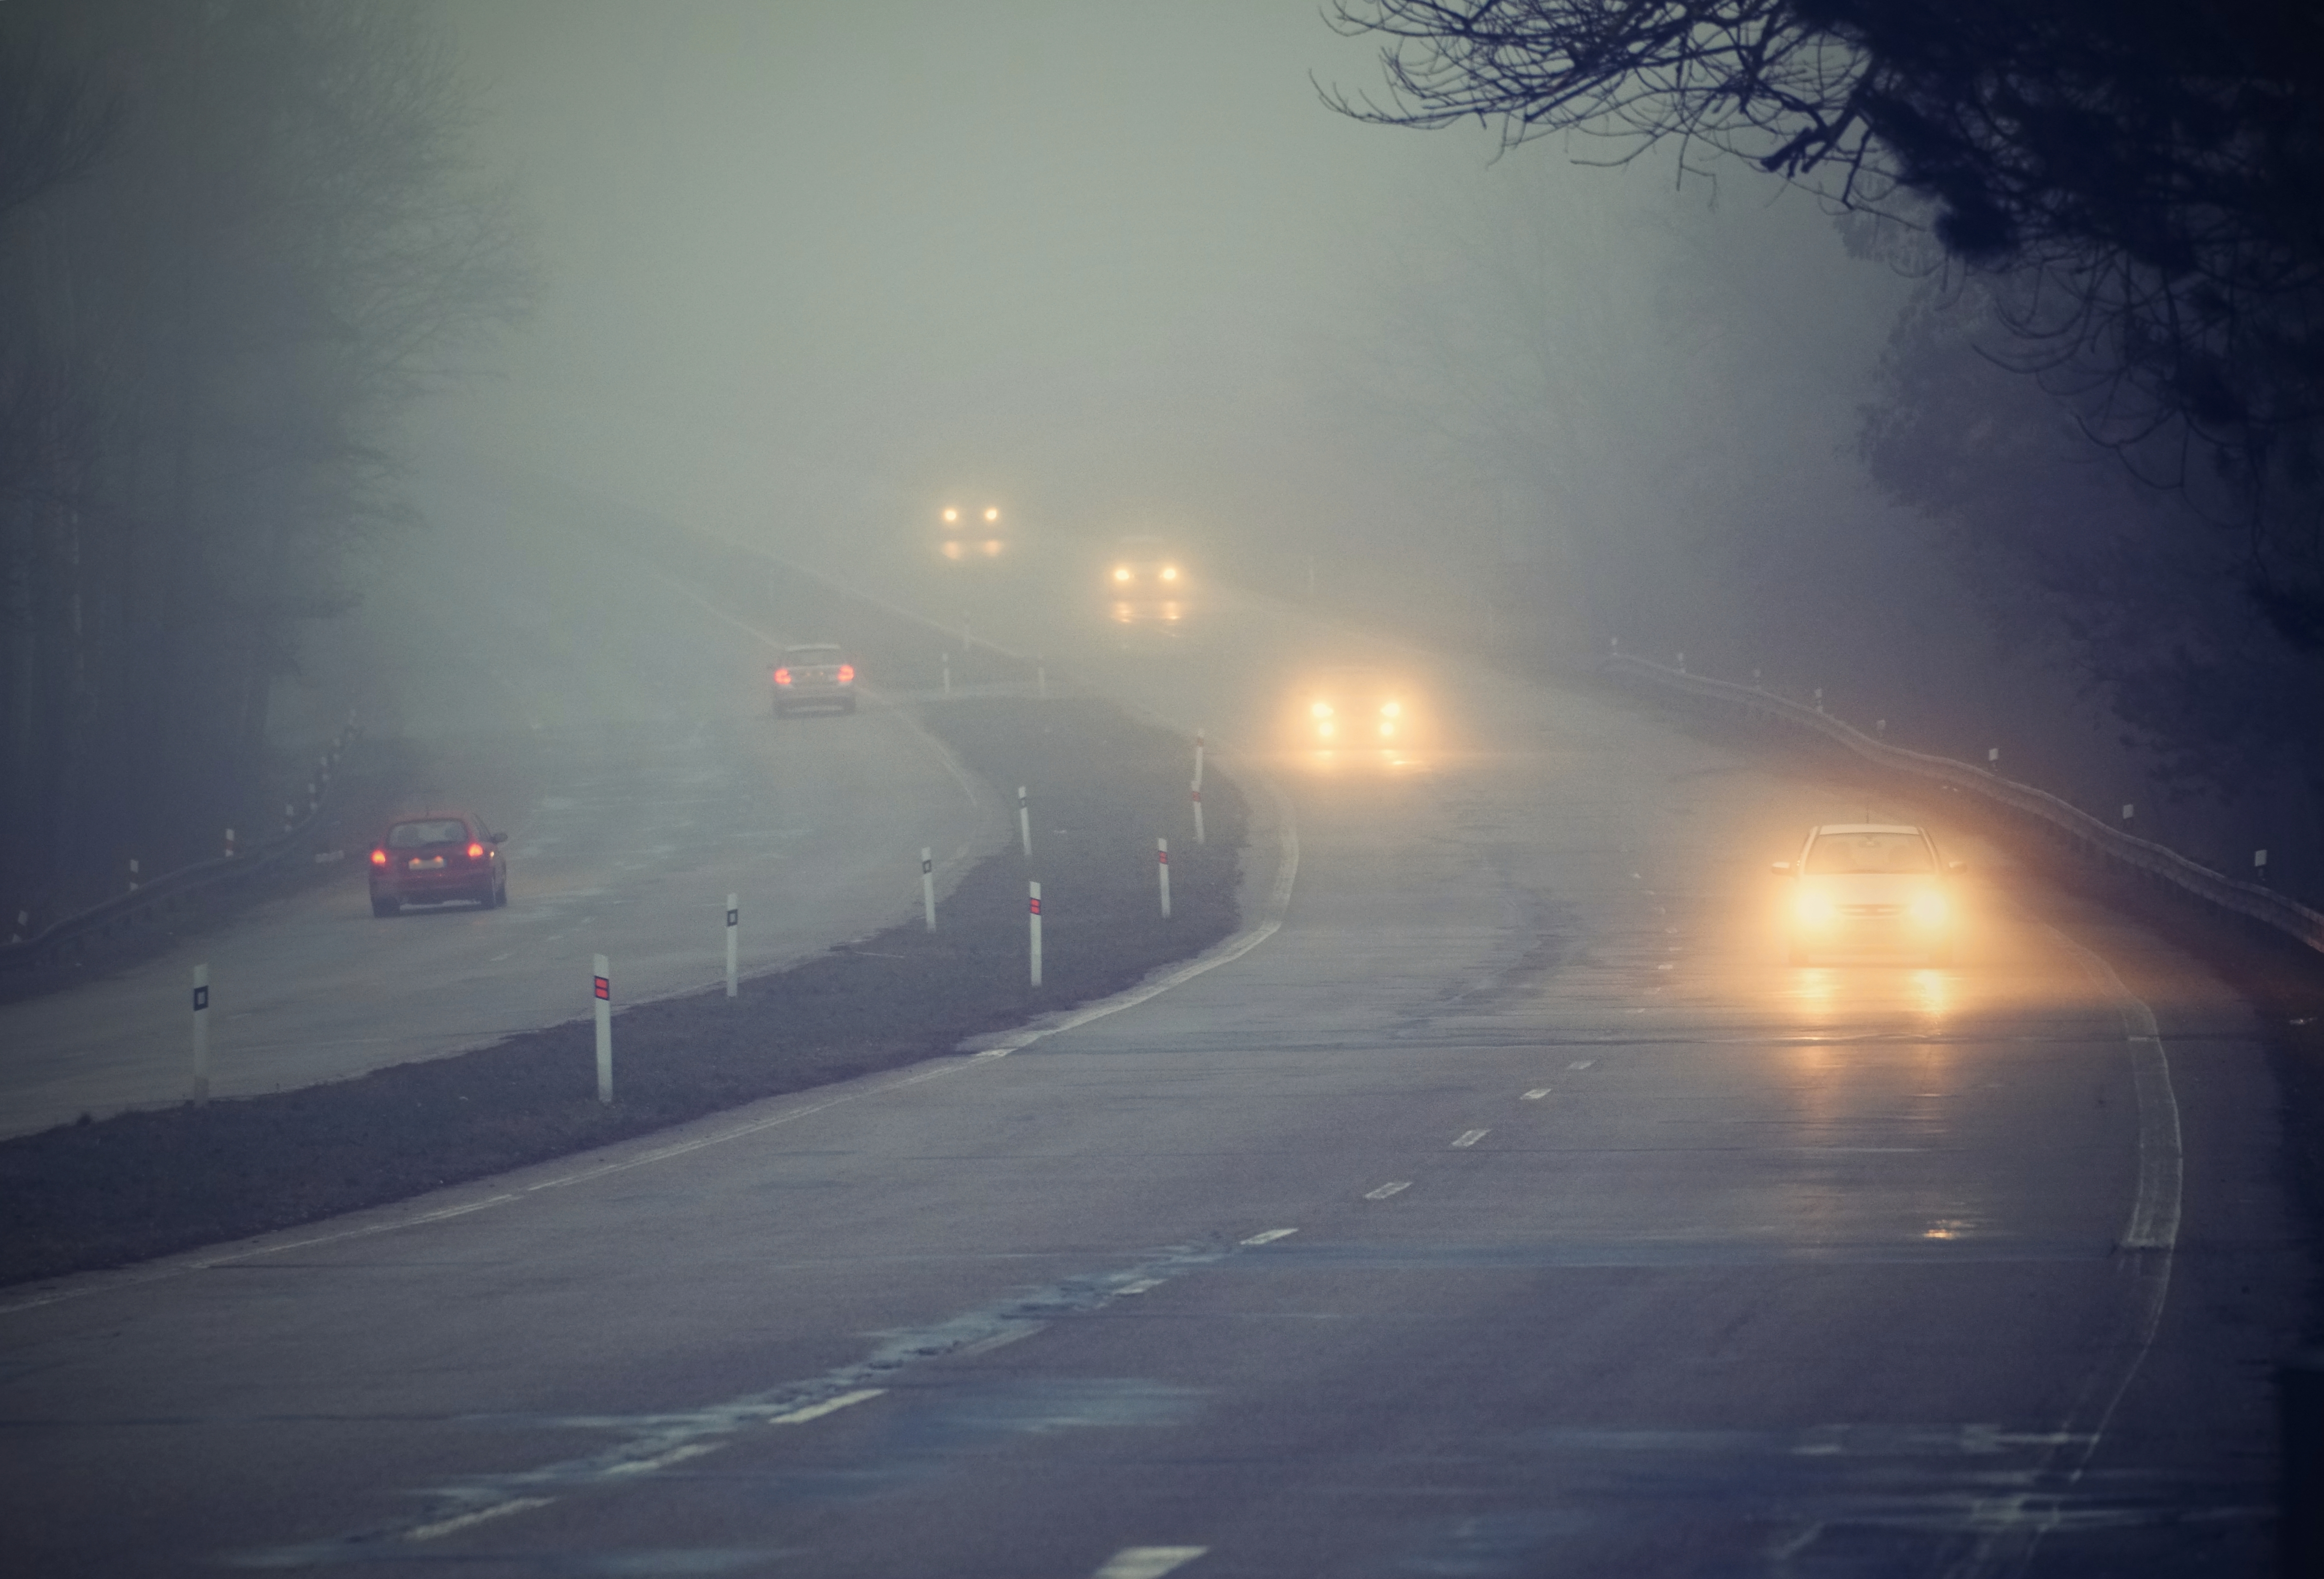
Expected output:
{"points": [[412, 835], [812, 656], [1835, 854]]}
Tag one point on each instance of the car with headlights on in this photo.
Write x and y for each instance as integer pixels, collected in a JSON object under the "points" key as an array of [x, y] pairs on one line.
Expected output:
{"points": [[1878, 889], [430, 861], [815, 675], [1144, 579], [1352, 709], [969, 535]]}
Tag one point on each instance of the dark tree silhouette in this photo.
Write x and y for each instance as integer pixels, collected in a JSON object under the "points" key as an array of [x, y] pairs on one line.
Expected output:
{"points": [[2146, 171]]}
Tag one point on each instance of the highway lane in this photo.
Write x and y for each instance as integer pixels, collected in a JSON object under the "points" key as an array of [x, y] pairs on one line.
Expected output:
{"points": [[1615, 1246], [621, 734]]}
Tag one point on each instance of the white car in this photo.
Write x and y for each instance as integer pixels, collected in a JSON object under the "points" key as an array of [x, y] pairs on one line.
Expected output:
{"points": [[1869, 888]]}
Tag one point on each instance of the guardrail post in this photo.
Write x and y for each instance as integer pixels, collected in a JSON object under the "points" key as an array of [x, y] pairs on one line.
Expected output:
{"points": [[604, 989], [1033, 920], [201, 1034]]}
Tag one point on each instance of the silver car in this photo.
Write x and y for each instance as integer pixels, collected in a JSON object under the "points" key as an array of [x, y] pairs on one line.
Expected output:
{"points": [[1869, 888], [815, 675]]}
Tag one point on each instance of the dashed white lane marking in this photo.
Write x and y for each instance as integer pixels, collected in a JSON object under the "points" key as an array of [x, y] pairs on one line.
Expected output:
{"points": [[1147, 1561], [443, 1527], [1535, 1095], [1142, 1286], [1581, 1063], [829, 1406], [1467, 1138], [1003, 1339], [1386, 1190], [1270, 1235]]}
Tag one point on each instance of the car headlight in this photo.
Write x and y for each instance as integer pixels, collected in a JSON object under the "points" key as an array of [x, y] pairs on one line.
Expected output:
{"points": [[1321, 709], [1928, 909], [1391, 709], [1121, 572], [1169, 572], [1815, 909]]}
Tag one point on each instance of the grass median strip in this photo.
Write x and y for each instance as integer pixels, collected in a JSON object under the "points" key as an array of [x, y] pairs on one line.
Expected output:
{"points": [[108, 1192]]}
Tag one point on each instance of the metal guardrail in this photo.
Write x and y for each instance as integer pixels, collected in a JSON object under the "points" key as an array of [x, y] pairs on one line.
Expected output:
{"points": [[70, 934], [2077, 826]]}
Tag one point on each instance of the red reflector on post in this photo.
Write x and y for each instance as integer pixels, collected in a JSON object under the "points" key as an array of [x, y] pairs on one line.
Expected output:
{"points": [[1037, 906], [604, 988]]}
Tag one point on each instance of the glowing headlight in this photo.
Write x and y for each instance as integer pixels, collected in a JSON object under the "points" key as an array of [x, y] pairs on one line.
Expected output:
{"points": [[951, 516], [1391, 709], [1169, 572], [1928, 909], [1815, 909], [1121, 572], [993, 514], [1321, 709]]}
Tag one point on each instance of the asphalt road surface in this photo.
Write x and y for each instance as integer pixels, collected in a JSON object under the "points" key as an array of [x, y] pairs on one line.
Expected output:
{"points": [[620, 733], [1511, 1209]]}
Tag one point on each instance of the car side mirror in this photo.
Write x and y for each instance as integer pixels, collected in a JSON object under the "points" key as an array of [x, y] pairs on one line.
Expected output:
{"points": [[1957, 865], [1781, 869], [494, 837]]}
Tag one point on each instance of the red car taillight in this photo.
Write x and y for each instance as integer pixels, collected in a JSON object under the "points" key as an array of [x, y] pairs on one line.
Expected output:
{"points": [[847, 673], [475, 850], [379, 858], [782, 676]]}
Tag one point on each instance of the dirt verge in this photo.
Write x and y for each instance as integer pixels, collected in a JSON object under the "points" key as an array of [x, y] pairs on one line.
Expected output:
{"points": [[106, 1193]]}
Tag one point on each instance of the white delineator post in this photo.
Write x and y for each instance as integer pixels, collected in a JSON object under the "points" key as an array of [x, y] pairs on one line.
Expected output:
{"points": [[1162, 866], [1033, 920], [1196, 792], [1198, 759], [1041, 680], [947, 674], [928, 888], [604, 989], [201, 1033], [733, 928], [229, 844], [1024, 823]]}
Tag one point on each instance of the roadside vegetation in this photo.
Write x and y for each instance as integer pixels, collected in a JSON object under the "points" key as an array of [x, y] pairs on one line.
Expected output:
{"points": [[103, 1193], [237, 239]]}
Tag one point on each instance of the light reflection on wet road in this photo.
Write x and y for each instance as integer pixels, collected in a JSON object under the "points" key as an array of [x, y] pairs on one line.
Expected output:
{"points": [[1514, 1210]]}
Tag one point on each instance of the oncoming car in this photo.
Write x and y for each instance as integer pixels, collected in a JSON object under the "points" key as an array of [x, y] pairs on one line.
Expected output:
{"points": [[427, 860], [1352, 710], [970, 535], [1145, 580], [1876, 888], [815, 675]]}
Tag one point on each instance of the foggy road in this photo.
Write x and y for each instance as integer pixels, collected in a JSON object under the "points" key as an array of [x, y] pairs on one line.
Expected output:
{"points": [[1513, 1209], [620, 734]]}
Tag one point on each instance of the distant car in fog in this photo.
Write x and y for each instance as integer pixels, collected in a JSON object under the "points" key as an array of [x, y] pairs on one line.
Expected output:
{"points": [[817, 674], [970, 535], [1869, 888], [428, 860], [1354, 708], [1146, 579]]}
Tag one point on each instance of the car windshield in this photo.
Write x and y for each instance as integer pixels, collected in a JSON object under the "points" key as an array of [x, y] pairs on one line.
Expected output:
{"points": [[1879, 852], [412, 835], [811, 657]]}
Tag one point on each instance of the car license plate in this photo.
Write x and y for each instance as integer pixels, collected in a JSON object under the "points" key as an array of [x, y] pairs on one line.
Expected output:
{"points": [[434, 863]]}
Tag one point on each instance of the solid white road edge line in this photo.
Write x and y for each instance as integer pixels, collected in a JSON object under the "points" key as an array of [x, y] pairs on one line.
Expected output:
{"points": [[2148, 1241], [1225, 951], [1147, 1561], [443, 1527]]}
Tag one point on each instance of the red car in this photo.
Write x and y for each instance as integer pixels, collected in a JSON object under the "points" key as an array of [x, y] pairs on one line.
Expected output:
{"points": [[426, 860]]}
